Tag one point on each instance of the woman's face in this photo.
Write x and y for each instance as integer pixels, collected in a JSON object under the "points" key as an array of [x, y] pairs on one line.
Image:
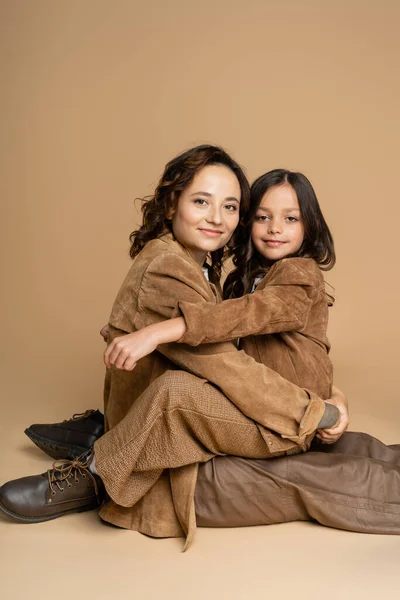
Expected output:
{"points": [[277, 229], [207, 212]]}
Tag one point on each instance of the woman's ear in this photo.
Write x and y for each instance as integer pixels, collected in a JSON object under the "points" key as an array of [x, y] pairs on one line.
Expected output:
{"points": [[170, 214]]}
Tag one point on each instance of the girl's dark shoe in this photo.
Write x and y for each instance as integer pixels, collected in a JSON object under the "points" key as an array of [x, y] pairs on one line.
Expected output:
{"points": [[69, 438], [68, 487]]}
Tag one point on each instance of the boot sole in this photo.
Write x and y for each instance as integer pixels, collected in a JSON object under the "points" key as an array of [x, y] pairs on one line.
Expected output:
{"points": [[16, 517], [55, 450]]}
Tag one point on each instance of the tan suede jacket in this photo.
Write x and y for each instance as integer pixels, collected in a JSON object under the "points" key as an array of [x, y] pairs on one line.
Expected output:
{"points": [[162, 276], [283, 324]]}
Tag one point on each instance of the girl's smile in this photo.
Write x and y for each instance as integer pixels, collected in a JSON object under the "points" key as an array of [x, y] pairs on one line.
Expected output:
{"points": [[273, 243]]}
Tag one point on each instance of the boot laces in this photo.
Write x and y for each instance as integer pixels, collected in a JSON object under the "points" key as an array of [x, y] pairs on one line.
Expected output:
{"points": [[83, 415], [64, 470]]}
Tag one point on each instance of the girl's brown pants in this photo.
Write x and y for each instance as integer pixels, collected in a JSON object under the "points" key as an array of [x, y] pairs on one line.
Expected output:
{"points": [[353, 485]]}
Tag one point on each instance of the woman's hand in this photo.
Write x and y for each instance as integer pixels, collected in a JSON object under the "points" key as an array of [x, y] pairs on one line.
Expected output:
{"points": [[125, 351], [330, 436]]}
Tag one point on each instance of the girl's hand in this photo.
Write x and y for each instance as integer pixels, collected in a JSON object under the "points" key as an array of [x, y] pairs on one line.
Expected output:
{"points": [[125, 351], [104, 332], [330, 436]]}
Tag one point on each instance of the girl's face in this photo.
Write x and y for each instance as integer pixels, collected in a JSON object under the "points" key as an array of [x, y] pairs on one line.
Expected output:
{"points": [[277, 229], [207, 212]]}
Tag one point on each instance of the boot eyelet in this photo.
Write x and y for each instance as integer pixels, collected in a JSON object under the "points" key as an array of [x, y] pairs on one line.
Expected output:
{"points": [[83, 476], [53, 493], [62, 490], [69, 484]]}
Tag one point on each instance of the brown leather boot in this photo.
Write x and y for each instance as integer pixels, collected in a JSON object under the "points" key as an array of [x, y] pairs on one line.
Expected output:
{"points": [[69, 438], [68, 487]]}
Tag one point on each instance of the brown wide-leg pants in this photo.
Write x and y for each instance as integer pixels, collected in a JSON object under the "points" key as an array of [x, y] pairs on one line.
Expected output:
{"points": [[353, 485]]}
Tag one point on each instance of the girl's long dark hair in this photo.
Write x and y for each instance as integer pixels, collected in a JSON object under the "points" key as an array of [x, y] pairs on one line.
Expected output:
{"points": [[317, 243], [178, 174]]}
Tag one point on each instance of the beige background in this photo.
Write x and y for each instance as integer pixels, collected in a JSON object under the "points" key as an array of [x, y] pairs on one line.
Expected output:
{"points": [[96, 96]]}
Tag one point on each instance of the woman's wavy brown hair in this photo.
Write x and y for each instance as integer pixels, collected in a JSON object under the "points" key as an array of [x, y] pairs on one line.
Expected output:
{"points": [[178, 174], [317, 243]]}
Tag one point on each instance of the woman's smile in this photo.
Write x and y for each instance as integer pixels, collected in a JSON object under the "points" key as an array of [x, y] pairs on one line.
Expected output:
{"points": [[210, 232]]}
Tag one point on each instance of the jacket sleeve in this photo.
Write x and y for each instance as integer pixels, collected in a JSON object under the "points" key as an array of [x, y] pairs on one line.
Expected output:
{"points": [[259, 392], [283, 304]]}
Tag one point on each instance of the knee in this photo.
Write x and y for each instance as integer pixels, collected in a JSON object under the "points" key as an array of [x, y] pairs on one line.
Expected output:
{"points": [[178, 389]]}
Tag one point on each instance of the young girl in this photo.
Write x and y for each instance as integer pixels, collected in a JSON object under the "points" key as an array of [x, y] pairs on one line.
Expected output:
{"points": [[160, 418]]}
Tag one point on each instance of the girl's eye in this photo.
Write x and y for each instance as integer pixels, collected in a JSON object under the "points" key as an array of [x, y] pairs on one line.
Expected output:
{"points": [[292, 219], [200, 201], [231, 207], [261, 218]]}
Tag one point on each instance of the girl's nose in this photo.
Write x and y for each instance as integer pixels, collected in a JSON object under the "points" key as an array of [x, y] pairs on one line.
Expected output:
{"points": [[274, 227]]}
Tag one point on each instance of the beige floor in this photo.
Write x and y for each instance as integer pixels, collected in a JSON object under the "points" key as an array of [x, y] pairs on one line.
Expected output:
{"points": [[78, 556]]}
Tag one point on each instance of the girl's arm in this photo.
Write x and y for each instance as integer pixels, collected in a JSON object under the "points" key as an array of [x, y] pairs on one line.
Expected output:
{"points": [[283, 305], [330, 436], [124, 352]]}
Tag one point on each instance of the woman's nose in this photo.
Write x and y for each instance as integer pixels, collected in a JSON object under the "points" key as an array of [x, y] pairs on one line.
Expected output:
{"points": [[214, 215]]}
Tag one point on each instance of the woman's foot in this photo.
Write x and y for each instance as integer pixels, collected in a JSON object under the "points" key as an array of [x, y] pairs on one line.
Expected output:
{"points": [[69, 438], [68, 487]]}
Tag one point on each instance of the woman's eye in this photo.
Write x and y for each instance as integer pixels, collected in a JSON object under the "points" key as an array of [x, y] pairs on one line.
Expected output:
{"points": [[200, 201], [231, 207]]}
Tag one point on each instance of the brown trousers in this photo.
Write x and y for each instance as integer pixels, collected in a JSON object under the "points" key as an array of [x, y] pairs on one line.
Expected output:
{"points": [[182, 420], [353, 485]]}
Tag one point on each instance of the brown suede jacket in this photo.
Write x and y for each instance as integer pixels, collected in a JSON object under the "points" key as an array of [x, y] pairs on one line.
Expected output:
{"points": [[283, 324], [163, 276]]}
